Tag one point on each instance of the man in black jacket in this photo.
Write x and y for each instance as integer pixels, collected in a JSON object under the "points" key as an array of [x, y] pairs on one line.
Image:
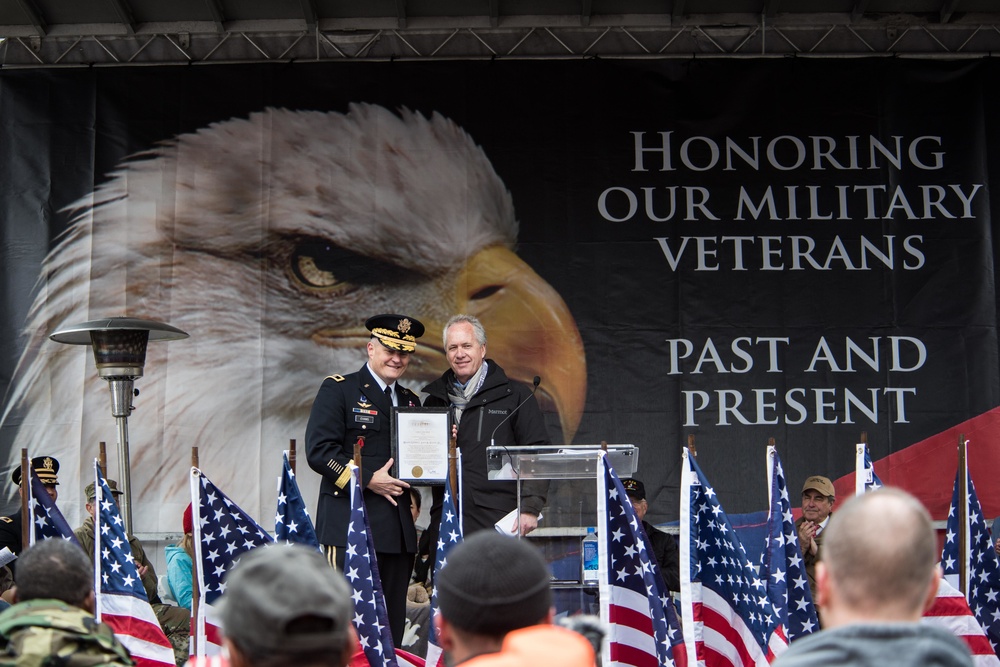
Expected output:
{"points": [[359, 405], [47, 469], [482, 398], [664, 545]]}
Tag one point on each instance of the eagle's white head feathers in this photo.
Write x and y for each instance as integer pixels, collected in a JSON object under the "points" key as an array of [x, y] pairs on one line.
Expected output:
{"points": [[269, 240]]}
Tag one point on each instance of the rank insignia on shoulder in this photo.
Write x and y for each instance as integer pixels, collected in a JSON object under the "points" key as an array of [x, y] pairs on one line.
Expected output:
{"points": [[6, 519], [336, 378]]}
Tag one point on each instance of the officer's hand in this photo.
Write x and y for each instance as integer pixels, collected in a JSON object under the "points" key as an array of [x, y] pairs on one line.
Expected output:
{"points": [[525, 523], [386, 485]]}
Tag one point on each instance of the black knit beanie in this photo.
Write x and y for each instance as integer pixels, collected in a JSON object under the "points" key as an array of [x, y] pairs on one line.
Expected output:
{"points": [[493, 584]]}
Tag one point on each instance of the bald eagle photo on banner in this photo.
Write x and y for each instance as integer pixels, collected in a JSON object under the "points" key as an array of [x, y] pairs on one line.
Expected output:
{"points": [[270, 239]]}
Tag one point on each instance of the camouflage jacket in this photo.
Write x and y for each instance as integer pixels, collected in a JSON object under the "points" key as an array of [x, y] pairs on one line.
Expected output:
{"points": [[50, 633]]}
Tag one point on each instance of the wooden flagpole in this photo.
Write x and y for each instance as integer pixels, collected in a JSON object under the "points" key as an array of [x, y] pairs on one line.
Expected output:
{"points": [[195, 590]]}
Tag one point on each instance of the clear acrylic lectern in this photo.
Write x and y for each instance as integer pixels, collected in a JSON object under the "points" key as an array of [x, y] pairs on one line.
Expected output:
{"points": [[571, 506]]}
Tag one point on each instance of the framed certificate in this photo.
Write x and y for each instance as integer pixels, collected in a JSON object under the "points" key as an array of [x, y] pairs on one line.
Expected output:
{"points": [[420, 444]]}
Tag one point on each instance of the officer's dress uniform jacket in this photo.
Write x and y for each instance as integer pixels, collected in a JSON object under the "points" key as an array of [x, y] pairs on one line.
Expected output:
{"points": [[345, 408]]}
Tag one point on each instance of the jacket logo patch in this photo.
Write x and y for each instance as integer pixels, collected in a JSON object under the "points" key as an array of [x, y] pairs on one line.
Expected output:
{"points": [[493, 411]]}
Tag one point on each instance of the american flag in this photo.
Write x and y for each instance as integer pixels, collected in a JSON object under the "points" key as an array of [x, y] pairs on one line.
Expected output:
{"points": [[727, 615], [787, 584], [292, 522], [222, 533], [865, 479], [635, 604], [982, 574], [46, 519], [449, 535], [951, 612], [121, 598], [371, 620]]}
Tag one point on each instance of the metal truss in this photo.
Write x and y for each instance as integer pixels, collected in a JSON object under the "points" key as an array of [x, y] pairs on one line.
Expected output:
{"points": [[892, 36]]}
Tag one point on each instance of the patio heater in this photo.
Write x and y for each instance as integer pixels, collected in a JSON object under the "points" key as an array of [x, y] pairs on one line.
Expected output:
{"points": [[120, 352]]}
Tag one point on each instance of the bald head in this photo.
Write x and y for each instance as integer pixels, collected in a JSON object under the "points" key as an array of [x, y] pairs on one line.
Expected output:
{"points": [[879, 559]]}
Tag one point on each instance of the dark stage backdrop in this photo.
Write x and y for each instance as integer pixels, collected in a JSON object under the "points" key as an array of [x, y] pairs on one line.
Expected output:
{"points": [[735, 250]]}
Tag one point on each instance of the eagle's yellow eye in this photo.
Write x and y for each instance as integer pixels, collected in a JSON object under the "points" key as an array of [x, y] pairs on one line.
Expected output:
{"points": [[315, 264], [309, 273]]}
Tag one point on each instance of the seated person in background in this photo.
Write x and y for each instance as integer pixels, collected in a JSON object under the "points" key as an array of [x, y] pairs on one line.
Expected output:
{"points": [[180, 560], [175, 621], [423, 563], [664, 545], [53, 621]]}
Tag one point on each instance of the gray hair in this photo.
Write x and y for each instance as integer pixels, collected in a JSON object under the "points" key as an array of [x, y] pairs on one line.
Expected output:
{"points": [[477, 328]]}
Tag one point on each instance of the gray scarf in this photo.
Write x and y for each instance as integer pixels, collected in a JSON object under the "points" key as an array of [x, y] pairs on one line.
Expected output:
{"points": [[460, 396]]}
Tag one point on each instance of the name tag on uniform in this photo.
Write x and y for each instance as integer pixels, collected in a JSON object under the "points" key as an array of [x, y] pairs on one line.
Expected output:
{"points": [[364, 419]]}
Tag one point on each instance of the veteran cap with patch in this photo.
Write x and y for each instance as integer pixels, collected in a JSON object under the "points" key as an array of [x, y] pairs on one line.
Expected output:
{"points": [[45, 467], [634, 488], [821, 484], [396, 332]]}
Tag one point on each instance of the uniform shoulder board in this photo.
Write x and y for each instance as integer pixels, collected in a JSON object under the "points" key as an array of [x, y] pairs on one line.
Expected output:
{"points": [[336, 378], [6, 519]]}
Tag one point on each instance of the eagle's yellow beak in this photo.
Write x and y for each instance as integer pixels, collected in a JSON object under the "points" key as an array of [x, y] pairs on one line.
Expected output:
{"points": [[529, 328]]}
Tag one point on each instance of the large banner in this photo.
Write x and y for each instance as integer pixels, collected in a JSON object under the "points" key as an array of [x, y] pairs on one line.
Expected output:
{"points": [[735, 250]]}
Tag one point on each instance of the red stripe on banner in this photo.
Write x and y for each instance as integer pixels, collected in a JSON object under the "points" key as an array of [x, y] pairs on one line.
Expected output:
{"points": [[142, 640], [630, 632], [949, 606], [680, 656], [777, 643], [213, 634], [405, 659], [724, 640], [134, 627], [634, 619], [978, 644], [629, 655], [951, 612]]}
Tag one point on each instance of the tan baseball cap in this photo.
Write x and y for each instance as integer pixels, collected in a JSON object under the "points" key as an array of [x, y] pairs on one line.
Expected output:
{"points": [[821, 484]]}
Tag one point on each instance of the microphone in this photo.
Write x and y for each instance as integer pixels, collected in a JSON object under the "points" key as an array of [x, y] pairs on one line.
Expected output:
{"points": [[537, 381]]}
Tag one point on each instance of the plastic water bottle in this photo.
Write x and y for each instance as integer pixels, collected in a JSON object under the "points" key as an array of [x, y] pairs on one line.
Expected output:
{"points": [[590, 558]]}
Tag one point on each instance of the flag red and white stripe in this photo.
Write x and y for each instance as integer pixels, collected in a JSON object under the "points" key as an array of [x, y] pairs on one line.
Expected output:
{"points": [[951, 612], [223, 532], [727, 617], [121, 599]]}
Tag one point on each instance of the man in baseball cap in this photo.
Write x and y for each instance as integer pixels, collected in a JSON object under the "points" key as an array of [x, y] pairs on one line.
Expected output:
{"points": [[285, 605], [818, 497], [495, 607], [175, 621], [664, 545]]}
